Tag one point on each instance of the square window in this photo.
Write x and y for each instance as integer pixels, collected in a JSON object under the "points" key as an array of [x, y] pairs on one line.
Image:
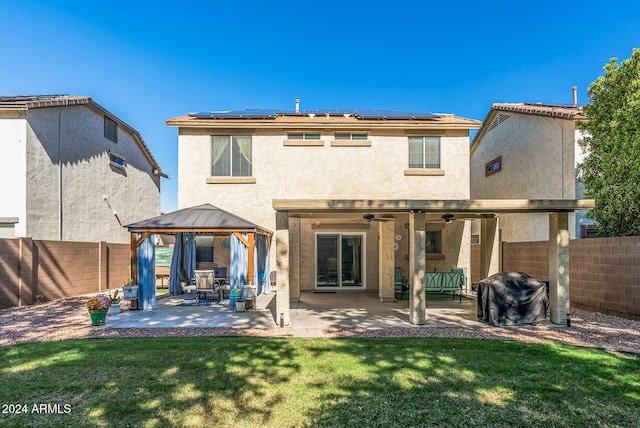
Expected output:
{"points": [[424, 152], [231, 156]]}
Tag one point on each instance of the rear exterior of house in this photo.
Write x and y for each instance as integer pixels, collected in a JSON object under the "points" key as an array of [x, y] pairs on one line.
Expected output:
{"points": [[241, 161], [528, 151], [76, 171]]}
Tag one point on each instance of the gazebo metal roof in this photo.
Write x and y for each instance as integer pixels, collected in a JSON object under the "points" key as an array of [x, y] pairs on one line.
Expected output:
{"points": [[201, 218]]}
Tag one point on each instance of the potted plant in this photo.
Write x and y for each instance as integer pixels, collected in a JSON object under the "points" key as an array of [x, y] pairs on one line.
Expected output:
{"points": [[98, 307], [130, 290], [115, 303]]}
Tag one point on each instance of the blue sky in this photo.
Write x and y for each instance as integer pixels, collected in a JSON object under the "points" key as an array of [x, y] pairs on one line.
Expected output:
{"points": [[150, 61]]}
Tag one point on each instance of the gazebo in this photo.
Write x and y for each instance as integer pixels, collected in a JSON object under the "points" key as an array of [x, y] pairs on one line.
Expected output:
{"points": [[248, 244]]}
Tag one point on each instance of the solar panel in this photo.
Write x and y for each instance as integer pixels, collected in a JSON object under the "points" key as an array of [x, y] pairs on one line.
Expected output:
{"points": [[393, 114], [272, 113], [246, 113]]}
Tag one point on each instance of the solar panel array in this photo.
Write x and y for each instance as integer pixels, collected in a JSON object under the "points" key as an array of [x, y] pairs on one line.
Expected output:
{"points": [[272, 113]]}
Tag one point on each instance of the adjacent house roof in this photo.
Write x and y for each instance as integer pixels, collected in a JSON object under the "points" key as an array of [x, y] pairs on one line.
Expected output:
{"points": [[336, 118], [201, 218], [557, 111], [26, 102]]}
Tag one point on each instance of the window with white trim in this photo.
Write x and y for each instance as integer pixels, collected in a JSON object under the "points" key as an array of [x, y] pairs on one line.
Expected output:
{"points": [[351, 136], [231, 156], [117, 160], [424, 152], [110, 129], [303, 135]]}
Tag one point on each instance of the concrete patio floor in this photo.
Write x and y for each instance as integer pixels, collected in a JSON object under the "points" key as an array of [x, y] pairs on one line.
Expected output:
{"points": [[314, 311]]}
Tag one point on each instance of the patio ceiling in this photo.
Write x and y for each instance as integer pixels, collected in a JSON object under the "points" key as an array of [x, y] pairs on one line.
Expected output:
{"points": [[471, 208]]}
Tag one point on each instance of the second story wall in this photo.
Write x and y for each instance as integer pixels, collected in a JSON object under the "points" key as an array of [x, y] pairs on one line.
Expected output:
{"points": [[377, 168], [537, 159], [69, 175], [13, 168]]}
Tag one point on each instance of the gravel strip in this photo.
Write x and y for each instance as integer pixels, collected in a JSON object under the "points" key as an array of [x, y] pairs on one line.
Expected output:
{"points": [[68, 319]]}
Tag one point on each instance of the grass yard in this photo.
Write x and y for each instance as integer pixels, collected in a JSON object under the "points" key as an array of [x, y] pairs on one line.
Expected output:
{"points": [[269, 382]]}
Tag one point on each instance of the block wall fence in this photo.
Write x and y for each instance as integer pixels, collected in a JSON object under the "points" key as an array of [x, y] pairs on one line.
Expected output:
{"points": [[604, 273], [33, 271]]}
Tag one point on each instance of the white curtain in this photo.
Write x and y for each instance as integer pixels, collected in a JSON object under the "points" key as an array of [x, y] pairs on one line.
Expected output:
{"points": [[220, 162], [244, 147]]}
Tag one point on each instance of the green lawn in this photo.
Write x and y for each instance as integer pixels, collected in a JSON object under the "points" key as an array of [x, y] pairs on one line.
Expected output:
{"points": [[247, 381]]}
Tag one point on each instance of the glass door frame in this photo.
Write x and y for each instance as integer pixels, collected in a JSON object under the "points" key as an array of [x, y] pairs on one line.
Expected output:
{"points": [[363, 263]]}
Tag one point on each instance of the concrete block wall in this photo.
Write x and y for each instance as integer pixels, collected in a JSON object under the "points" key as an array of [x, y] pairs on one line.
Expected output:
{"points": [[36, 271], [604, 272], [532, 259]]}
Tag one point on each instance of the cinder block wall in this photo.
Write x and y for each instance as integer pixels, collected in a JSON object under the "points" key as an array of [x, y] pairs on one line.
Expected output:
{"points": [[36, 271], [604, 272]]}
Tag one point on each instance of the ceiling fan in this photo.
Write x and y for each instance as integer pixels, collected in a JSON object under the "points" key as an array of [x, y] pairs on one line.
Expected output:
{"points": [[372, 217]]}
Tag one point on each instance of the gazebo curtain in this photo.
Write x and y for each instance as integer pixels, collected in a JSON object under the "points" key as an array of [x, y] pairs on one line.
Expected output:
{"points": [[262, 264], [238, 262], [146, 270], [174, 270], [184, 257]]}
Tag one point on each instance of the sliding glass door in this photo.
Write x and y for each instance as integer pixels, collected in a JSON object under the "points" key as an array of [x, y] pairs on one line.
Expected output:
{"points": [[339, 260]]}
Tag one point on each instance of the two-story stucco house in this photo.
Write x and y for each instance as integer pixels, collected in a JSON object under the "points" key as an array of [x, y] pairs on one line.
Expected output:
{"points": [[528, 151], [241, 161], [71, 170]]}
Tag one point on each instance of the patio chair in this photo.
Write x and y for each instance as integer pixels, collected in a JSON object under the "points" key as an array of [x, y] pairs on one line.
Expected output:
{"points": [[204, 283], [187, 285], [401, 288]]}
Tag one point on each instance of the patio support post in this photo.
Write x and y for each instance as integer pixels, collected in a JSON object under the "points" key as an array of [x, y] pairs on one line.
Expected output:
{"points": [[386, 260], [294, 258], [559, 267], [282, 268], [251, 248], [489, 247], [417, 268], [133, 258]]}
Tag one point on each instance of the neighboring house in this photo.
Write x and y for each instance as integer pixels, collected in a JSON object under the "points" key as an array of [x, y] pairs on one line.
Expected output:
{"points": [[241, 161], [72, 171], [528, 151]]}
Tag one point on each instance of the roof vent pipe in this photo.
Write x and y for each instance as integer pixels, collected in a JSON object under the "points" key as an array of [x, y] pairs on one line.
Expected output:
{"points": [[575, 95], [297, 106]]}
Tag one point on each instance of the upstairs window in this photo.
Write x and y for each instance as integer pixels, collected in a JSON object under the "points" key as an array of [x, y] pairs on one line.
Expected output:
{"points": [[493, 166], [116, 160], [110, 130], [351, 136], [303, 135], [231, 156], [424, 152]]}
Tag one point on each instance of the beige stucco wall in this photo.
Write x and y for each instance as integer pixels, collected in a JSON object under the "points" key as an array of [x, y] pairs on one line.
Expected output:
{"points": [[294, 172], [538, 162], [13, 168], [68, 176], [285, 172]]}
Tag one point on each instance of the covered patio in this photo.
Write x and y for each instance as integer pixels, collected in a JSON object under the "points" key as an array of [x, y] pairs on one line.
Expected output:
{"points": [[289, 214], [245, 246]]}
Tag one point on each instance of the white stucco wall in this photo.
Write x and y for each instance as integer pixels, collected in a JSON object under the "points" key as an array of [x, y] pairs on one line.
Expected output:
{"points": [[13, 168], [68, 175], [538, 162]]}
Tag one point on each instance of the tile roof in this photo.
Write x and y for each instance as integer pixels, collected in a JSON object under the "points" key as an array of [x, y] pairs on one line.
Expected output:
{"points": [[560, 111]]}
